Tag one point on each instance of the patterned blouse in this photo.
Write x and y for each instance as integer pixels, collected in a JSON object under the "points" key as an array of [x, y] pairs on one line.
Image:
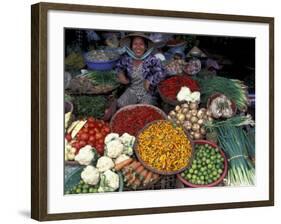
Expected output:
{"points": [[152, 69]]}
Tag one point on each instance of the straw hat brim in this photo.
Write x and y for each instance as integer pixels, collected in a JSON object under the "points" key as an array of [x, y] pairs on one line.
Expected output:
{"points": [[126, 41]]}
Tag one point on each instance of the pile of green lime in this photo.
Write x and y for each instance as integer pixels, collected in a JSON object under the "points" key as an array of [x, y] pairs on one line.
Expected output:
{"points": [[81, 188], [207, 165]]}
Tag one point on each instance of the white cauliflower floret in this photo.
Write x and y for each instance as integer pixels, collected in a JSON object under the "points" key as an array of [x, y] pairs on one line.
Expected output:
{"points": [[128, 142], [184, 94], [104, 163], [127, 139], [114, 148], [121, 158], [110, 137], [109, 181], [90, 175], [85, 155]]}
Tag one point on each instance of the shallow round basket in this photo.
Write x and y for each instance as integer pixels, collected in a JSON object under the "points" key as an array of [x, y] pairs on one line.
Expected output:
{"points": [[101, 65], [153, 169], [168, 100], [131, 107], [215, 183]]}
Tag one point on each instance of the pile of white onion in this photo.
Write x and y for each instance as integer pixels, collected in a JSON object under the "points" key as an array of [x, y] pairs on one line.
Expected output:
{"points": [[191, 118]]}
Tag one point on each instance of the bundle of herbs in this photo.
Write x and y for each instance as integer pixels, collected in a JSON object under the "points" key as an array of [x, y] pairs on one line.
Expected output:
{"points": [[103, 78], [85, 106], [233, 139], [234, 89]]}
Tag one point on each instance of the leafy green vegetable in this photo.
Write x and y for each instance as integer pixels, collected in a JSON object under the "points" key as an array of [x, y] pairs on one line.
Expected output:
{"points": [[234, 89], [103, 78], [85, 106]]}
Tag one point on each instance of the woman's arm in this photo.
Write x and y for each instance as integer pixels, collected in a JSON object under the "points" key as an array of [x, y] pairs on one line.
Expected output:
{"points": [[146, 85], [122, 78]]}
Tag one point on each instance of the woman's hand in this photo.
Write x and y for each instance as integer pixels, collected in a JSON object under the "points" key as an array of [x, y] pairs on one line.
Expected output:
{"points": [[146, 85], [122, 78]]}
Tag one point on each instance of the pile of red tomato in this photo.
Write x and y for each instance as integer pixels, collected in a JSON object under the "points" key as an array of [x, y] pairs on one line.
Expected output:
{"points": [[93, 133]]}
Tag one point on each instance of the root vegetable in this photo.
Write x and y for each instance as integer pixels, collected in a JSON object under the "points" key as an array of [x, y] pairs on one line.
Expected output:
{"points": [[143, 174], [147, 179], [200, 121], [201, 113], [195, 127], [172, 113], [197, 135], [139, 170], [194, 112], [177, 108], [122, 164], [193, 105], [193, 119], [181, 117], [202, 131]]}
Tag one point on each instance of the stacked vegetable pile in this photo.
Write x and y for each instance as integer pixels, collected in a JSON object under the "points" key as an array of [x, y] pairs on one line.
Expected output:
{"points": [[191, 118], [86, 132], [101, 55], [207, 166], [170, 87], [135, 174], [175, 66], [94, 82], [133, 118], [164, 148], [86, 106], [100, 173]]}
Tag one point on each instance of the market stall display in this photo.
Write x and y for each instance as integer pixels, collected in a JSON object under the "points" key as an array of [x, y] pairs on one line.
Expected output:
{"points": [[197, 134]]}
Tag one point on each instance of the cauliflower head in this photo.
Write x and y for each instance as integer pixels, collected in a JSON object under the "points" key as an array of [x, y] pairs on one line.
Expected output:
{"points": [[109, 181], [104, 163], [128, 142], [114, 148], [90, 175], [110, 137], [85, 155]]}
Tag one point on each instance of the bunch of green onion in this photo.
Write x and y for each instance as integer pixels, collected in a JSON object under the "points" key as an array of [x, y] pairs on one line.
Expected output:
{"points": [[235, 142], [234, 89]]}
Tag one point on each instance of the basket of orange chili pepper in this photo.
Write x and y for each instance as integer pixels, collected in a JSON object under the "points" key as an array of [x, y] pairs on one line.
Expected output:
{"points": [[164, 148]]}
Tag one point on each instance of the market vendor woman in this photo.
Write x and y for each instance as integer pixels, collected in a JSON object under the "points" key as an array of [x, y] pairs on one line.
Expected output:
{"points": [[139, 70]]}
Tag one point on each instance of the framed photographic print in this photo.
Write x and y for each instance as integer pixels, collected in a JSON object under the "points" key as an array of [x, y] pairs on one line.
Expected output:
{"points": [[138, 111]]}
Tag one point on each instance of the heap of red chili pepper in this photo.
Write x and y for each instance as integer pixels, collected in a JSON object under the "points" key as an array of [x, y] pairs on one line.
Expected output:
{"points": [[170, 87], [132, 120]]}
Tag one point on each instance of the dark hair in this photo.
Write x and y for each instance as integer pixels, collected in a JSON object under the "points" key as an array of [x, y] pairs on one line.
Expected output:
{"points": [[144, 40]]}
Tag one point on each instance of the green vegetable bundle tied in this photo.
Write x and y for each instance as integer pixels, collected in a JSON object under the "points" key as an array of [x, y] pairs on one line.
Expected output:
{"points": [[236, 143], [234, 89]]}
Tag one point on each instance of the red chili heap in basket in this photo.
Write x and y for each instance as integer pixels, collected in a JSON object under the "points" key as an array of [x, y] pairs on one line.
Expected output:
{"points": [[132, 120], [169, 88]]}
